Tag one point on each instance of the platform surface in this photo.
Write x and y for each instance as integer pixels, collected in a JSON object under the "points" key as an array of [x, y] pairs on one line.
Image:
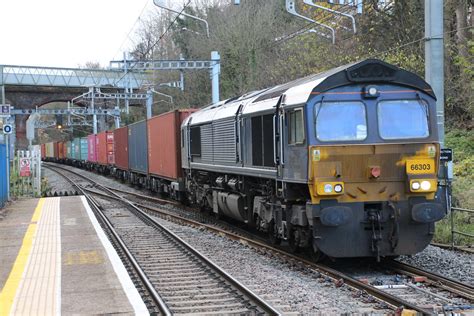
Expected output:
{"points": [[55, 259]]}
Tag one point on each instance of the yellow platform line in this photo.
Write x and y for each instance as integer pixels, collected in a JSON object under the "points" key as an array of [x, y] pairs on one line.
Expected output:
{"points": [[8, 293]]}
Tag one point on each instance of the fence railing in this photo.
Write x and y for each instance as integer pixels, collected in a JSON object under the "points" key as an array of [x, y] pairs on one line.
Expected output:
{"points": [[454, 231], [25, 177]]}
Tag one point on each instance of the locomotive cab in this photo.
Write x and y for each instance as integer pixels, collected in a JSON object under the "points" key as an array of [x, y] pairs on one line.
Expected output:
{"points": [[373, 159], [343, 163]]}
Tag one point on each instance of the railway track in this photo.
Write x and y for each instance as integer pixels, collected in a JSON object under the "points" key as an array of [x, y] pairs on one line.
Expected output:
{"points": [[395, 299], [178, 278]]}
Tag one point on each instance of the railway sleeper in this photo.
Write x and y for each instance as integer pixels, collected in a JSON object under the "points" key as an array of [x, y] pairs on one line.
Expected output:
{"points": [[202, 301], [178, 287], [224, 309]]}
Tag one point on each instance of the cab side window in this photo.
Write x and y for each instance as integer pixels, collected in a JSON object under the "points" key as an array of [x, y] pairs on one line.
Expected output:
{"points": [[295, 123]]}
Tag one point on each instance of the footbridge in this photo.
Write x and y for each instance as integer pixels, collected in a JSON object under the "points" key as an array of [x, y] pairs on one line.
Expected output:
{"points": [[29, 87]]}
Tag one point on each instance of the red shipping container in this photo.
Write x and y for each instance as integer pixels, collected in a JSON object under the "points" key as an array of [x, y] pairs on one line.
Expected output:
{"points": [[91, 150], [61, 150], [63, 153], [43, 151], [105, 148], [56, 150], [164, 144], [121, 147]]}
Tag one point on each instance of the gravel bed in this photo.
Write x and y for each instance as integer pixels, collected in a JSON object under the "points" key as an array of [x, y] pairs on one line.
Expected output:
{"points": [[450, 263], [301, 289], [56, 183], [107, 181]]}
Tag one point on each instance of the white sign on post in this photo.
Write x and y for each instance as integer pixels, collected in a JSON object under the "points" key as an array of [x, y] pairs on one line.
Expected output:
{"points": [[7, 129], [4, 110]]}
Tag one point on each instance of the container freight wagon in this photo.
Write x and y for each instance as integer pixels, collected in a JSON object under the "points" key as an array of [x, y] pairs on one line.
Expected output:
{"points": [[105, 148], [61, 151], [164, 152], [43, 151], [79, 150], [49, 151], [138, 152], [121, 152], [91, 149], [69, 157]]}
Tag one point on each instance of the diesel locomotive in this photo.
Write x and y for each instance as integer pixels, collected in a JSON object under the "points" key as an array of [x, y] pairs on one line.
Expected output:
{"points": [[343, 163]]}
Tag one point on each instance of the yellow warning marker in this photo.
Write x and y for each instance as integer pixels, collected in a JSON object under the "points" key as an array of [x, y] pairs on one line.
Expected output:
{"points": [[8, 293]]}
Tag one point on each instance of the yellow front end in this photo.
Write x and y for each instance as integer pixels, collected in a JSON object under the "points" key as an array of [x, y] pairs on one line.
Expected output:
{"points": [[369, 173]]}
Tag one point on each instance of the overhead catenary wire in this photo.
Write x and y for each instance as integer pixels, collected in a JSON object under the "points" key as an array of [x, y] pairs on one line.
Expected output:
{"points": [[127, 37], [160, 37]]}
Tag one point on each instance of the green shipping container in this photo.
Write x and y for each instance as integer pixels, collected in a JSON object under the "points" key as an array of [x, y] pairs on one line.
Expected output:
{"points": [[69, 150], [79, 148]]}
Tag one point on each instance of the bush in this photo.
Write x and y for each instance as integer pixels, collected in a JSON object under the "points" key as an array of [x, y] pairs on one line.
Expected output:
{"points": [[462, 143]]}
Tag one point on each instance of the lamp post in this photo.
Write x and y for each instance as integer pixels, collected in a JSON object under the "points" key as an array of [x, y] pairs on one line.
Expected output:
{"points": [[161, 4]]}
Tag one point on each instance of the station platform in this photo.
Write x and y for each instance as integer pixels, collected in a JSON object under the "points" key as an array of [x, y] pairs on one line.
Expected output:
{"points": [[55, 259]]}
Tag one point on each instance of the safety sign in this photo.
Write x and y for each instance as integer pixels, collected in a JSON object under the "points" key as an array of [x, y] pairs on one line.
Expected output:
{"points": [[25, 170]]}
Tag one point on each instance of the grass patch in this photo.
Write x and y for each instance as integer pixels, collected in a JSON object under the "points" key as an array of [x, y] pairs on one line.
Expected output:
{"points": [[462, 143]]}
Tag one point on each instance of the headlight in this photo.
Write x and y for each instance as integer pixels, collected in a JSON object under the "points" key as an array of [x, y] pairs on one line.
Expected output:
{"points": [[425, 185], [328, 188]]}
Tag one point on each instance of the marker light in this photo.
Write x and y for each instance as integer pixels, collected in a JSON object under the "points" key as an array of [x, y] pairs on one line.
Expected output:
{"points": [[371, 92], [425, 185], [338, 188], [415, 185], [328, 188]]}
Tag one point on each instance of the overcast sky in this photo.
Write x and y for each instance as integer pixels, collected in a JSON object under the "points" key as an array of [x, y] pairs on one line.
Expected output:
{"points": [[65, 33]]}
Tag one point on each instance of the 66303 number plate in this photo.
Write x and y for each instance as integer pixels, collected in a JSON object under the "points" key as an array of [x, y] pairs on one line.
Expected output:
{"points": [[420, 166]]}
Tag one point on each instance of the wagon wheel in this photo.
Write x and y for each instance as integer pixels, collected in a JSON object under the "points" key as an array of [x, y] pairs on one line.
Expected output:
{"points": [[272, 234], [294, 239]]}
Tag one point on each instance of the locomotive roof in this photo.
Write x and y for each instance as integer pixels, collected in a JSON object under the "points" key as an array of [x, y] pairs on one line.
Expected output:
{"points": [[370, 71]]}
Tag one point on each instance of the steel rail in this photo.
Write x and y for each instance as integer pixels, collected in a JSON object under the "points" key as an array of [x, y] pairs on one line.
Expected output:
{"points": [[253, 297], [332, 273], [163, 308], [459, 248], [454, 286], [451, 285]]}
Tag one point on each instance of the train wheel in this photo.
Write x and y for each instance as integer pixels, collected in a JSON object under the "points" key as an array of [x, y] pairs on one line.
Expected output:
{"points": [[272, 234], [315, 254], [294, 239]]}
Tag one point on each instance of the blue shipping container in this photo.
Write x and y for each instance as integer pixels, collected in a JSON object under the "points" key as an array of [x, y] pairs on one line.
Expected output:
{"points": [[79, 148], [138, 147], [3, 175]]}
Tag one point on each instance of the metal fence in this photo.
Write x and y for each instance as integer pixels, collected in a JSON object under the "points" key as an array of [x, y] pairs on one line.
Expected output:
{"points": [[453, 229], [25, 178], [4, 165]]}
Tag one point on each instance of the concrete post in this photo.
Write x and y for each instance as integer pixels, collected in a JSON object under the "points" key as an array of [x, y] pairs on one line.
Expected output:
{"points": [[181, 74], [434, 57], [215, 72], [117, 118], [127, 85], [149, 103], [94, 116]]}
